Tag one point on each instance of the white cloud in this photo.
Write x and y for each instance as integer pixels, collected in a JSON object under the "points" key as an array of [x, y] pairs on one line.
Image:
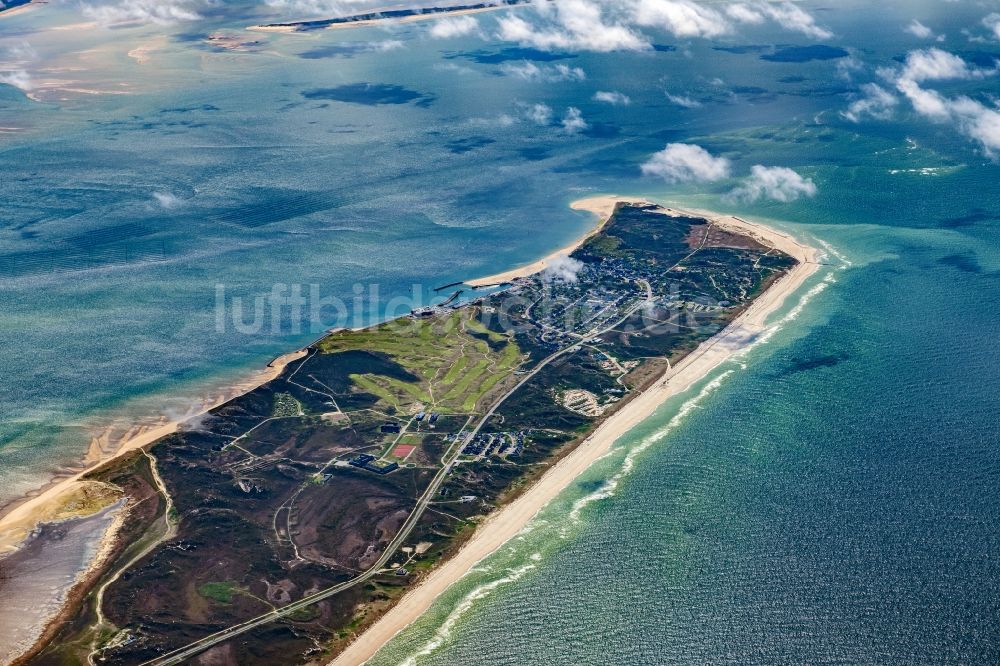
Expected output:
{"points": [[919, 30], [612, 97], [167, 200], [502, 120], [614, 25], [777, 183], [562, 268], [992, 21], [537, 113], [972, 118], [933, 64], [21, 53], [303, 8], [144, 11], [386, 45], [454, 26], [743, 13], [684, 100], [683, 18], [683, 163], [18, 78], [576, 25], [877, 102], [457, 69], [979, 122], [847, 67], [794, 18], [786, 14], [926, 102], [686, 163], [15, 61], [573, 121], [529, 71]]}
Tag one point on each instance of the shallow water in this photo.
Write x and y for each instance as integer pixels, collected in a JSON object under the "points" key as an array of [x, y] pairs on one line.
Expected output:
{"points": [[35, 581]]}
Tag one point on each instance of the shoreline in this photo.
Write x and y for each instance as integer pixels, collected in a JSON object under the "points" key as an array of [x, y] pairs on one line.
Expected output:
{"points": [[56, 500], [18, 9], [64, 591], [602, 206], [49, 503], [509, 520], [297, 26], [19, 518]]}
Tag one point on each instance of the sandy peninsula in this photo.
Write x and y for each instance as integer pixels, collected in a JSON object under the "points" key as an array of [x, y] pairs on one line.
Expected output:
{"points": [[20, 8], [511, 519], [603, 207], [75, 496], [294, 26]]}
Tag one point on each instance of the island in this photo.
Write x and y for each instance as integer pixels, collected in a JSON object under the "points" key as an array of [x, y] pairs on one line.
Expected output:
{"points": [[396, 15], [376, 466], [9, 7]]}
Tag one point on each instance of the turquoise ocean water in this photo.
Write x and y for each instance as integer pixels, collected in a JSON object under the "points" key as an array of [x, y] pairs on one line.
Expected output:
{"points": [[828, 497]]}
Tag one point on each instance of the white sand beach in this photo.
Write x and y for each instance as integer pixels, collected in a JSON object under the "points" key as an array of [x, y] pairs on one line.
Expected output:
{"points": [[602, 206], [56, 500], [511, 519]]}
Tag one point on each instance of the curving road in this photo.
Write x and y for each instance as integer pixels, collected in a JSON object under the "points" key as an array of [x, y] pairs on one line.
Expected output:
{"points": [[451, 455]]}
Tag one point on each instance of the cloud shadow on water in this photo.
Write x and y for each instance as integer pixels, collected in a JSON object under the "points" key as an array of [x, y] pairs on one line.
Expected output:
{"points": [[486, 57], [974, 216], [348, 50], [798, 365], [460, 146], [370, 94], [805, 53], [965, 262], [743, 49]]}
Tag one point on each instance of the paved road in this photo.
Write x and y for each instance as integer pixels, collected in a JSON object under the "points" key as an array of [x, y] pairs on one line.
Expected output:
{"points": [[182, 654]]}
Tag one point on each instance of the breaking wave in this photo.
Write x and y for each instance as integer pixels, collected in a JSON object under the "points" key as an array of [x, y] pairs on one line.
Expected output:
{"points": [[830, 250], [610, 486], [628, 464], [468, 601]]}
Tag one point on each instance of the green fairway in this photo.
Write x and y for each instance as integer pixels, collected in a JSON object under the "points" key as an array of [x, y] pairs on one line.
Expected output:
{"points": [[455, 367]]}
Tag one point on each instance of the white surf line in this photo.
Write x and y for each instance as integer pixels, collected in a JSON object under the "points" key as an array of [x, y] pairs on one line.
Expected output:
{"points": [[508, 521]]}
